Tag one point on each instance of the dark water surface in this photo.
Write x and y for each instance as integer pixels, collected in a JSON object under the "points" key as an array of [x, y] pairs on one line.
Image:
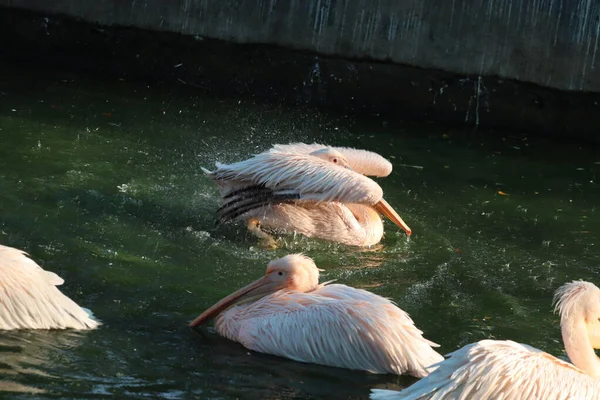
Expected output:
{"points": [[100, 182]]}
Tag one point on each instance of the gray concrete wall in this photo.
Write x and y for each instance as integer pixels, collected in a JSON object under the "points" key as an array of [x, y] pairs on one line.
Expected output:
{"points": [[553, 43]]}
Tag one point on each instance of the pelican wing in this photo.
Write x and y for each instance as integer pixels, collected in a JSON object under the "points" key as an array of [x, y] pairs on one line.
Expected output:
{"points": [[29, 298], [494, 370], [310, 177], [334, 325], [276, 177], [362, 161]]}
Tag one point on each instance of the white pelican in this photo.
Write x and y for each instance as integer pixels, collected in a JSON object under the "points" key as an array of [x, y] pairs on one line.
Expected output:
{"points": [[29, 298], [502, 369], [288, 313], [314, 190]]}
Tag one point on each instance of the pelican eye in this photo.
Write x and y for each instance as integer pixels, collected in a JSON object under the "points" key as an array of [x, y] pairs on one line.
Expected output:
{"points": [[280, 273], [334, 160]]}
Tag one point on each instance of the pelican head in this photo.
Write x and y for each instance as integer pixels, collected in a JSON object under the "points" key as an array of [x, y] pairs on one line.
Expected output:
{"points": [[580, 301], [383, 207], [294, 272], [331, 155]]}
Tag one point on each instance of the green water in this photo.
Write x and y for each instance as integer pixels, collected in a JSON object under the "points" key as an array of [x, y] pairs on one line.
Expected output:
{"points": [[100, 182]]}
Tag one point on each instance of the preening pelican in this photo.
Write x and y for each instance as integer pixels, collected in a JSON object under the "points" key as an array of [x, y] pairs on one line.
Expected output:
{"points": [[29, 298], [497, 369], [315, 190], [288, 313]]}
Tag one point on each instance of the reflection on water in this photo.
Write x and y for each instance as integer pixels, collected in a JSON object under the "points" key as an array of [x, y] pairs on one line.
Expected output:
{"points": [[27, 356], [100, 182]]}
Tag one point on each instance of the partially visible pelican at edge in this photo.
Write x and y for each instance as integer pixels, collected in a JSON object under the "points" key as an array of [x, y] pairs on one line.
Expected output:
{"points": [[29, 298], [315, 190], [288, 313], [503, 369]]}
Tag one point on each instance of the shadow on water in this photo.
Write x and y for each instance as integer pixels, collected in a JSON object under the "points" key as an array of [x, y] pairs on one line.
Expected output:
{"points": [[100, 182]]}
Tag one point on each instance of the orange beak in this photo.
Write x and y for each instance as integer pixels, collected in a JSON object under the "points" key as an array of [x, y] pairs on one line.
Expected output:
{"points": [[384, 208], [252, 292]]}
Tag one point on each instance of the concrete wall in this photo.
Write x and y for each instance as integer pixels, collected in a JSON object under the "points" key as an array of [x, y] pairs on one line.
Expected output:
{"points": [[553, 43]]}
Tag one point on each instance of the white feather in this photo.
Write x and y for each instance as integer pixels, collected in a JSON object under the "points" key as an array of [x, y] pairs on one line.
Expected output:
{"points": [[312, 178], [500, 370], [362, 161], [302, 188], [334, 325], [29, 298], [505, 370]]}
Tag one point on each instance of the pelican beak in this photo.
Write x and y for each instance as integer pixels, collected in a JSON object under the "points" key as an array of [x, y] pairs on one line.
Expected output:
{"points": [[384, 208], [252, 292]]}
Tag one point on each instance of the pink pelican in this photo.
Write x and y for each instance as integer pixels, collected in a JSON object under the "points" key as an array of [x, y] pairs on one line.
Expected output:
{"points": [[289, 314], [314, 190], [29, 298], [499, 369]]}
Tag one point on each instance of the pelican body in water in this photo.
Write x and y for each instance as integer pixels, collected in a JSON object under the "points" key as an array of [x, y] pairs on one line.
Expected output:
{"points": [[503, 369], [314, 190], [29, 298], [289, 314]]}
